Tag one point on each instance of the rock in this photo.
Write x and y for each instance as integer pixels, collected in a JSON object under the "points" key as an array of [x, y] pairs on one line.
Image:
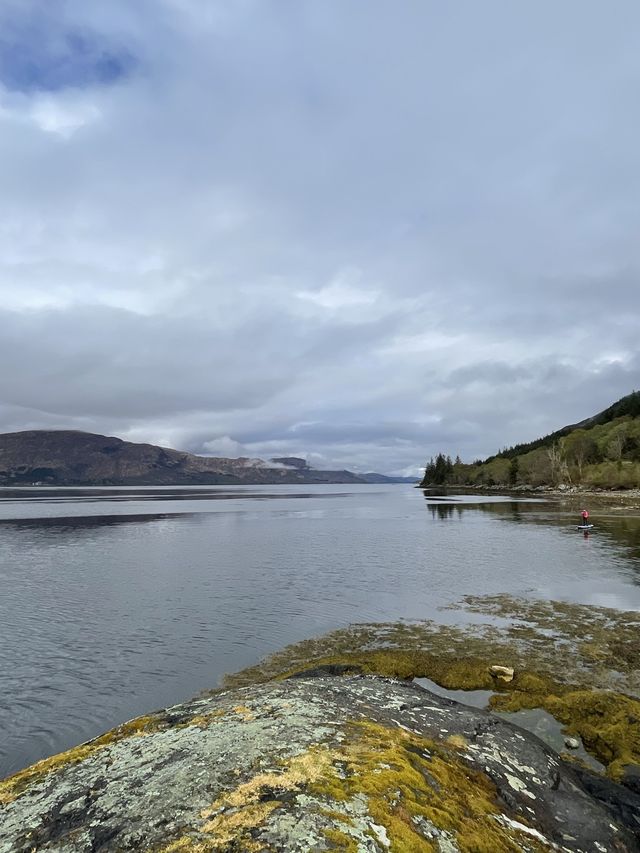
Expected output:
{"points": [[572, 743], [504, 673], [321, 763], [623, 803], [631, 777]]}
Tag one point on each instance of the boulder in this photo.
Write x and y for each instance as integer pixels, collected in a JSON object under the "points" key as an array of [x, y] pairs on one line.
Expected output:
{"points": [[504, 673], [352, 762]]}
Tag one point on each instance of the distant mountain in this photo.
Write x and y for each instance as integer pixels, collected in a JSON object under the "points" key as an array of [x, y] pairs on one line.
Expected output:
{"points": [[372, 477], [602, 451], [74, 458]]}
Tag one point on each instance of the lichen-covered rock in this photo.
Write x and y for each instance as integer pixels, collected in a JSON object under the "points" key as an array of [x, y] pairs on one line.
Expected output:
{"points": [[580, 664], [311, 764]]}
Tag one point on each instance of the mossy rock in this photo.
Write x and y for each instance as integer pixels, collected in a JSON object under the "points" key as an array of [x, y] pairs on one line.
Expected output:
{"points": [[356, 763]]}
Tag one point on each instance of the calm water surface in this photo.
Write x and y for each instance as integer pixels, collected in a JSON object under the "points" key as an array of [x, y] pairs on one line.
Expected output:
{"points": [[115, 602]]}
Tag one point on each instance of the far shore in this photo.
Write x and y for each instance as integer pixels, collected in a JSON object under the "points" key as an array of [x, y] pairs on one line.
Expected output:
{"points": [[629, 497]]}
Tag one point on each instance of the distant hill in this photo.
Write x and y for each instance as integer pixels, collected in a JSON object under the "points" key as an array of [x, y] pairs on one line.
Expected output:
{"points": [[628, 407], [602, 451], [74, 458], [374, 478]]}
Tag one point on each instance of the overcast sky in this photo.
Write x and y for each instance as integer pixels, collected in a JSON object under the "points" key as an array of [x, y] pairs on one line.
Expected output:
{"points": [[358, 232]]}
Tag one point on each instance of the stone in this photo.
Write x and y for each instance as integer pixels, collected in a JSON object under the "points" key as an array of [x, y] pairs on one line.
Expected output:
{"points": [[346, 762], [631, 777], [572, 743], [623, 802], [504, 673]]}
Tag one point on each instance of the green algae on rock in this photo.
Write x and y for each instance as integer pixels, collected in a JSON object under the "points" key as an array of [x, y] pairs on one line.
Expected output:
{"points": [[572, 644], [607, 722], [580, 663], [352, 763], [286, 761], [598, 642]]}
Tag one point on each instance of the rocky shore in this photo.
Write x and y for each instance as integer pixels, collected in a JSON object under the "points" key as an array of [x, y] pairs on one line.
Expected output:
{"points": [[560, 491], [356, 763], [330, 745]]}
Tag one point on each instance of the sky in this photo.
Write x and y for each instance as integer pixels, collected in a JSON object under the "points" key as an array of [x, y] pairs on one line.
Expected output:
{"points": [[360, 233]]}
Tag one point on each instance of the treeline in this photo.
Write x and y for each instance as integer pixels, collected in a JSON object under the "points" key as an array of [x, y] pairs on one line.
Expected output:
{"points": [[440, 471], [598, 453], [628, 406]]}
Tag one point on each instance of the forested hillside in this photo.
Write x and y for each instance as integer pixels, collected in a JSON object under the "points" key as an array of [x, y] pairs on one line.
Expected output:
{"points": [[602, 452]]}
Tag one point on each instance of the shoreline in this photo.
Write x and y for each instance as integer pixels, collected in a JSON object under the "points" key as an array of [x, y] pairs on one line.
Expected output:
{"points": [[330, 740], [544, 491]]}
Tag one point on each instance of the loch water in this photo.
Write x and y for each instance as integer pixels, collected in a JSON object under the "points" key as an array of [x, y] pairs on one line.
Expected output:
{"points": [[118, 601]]}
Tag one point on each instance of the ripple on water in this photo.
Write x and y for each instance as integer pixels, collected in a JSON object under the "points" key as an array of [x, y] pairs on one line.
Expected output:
{"points": [[110, 608]]}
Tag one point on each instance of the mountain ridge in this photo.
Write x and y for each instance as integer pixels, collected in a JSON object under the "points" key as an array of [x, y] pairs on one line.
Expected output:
{"points": [[629, 405], [78, 458]]}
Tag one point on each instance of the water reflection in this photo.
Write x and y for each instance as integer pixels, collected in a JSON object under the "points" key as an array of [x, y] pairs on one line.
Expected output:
{"points": [[617, 527], [151, 493], [110, 608], [74, 525], [445, 511], [443, 505]]}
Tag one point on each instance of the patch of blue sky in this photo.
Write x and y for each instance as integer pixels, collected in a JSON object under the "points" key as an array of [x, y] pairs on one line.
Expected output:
{"points": [[36, 59]]}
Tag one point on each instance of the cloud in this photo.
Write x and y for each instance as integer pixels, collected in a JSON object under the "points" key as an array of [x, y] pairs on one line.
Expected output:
{"points": [[40, 51], [224, 446], [356, 234], [341, 294]]}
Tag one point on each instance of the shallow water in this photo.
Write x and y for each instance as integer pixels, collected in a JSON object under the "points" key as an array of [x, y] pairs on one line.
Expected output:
{"points": [[535, 720], [118, 601]]}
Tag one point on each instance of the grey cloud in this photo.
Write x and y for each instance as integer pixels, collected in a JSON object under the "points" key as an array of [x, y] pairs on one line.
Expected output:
{"points": [[405, 228], [325, 433], [109, 362]]}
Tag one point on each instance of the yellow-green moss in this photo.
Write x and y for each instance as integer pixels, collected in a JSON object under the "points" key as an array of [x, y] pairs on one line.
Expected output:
{"points": [[556, 648], [607, 722], [593, 635], [244, 712], [453, 673], [235, 827], [573, 644], [236, 813], [341, 841], [448, 671], [17, 784], [186, 844], [205, 720], [405, 777]]}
